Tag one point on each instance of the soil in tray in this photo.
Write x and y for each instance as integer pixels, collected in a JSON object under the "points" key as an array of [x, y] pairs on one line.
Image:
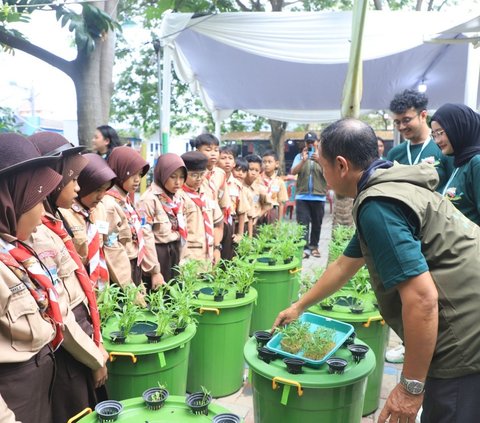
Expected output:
{"points": [[319, 352], [290, 347]]}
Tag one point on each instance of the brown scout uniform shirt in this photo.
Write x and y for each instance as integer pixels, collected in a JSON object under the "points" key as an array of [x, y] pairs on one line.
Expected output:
{"points": [[276, 189], [197, 247], [238, 196], [52, 252], [215, 181], [257, 193]]}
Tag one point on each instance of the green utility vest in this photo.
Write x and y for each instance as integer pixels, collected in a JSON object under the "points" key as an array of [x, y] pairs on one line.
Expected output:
{"points": [[451, 245], [319, 184]]}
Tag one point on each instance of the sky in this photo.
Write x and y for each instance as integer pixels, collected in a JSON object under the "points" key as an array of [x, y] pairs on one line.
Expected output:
{"points": [[23, 77]]}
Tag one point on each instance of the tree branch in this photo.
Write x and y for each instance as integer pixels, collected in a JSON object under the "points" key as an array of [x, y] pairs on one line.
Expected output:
{"points": [[38, 52], [242, 7], [378, 4], [418, 7]]}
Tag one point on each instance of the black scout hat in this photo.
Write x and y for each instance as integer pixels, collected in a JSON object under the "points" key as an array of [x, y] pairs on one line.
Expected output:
{"points": [[195, 161]]}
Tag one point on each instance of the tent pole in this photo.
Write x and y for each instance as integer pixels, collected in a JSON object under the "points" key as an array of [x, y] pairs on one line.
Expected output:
{"points": [[166, 97], [471, 77], [158, 51], [218, 128]]}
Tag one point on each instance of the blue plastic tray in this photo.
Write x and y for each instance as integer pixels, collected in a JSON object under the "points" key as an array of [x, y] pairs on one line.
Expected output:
{"points": [[342, 332]]}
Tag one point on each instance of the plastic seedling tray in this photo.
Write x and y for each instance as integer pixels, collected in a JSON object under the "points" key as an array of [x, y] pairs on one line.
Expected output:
{"points": [[342, 332]]}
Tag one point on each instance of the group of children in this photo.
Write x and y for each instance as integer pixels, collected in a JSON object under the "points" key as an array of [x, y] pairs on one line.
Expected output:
{"points": [[70, 226]]}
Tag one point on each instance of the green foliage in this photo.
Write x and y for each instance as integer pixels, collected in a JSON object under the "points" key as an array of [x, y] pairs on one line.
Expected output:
{"points": [[319, 344], [241, 274], [129, 312], [182, 308], [206, 398], [107, 302], [8, 122], [341, 236]]}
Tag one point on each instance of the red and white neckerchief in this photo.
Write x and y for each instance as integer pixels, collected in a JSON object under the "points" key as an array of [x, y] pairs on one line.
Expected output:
{"points": [[97, 266], [199, 200], [227, 211], [233, 188], [268, 182], [56, 226], [174, 209], [133, 221], [37, 281]]}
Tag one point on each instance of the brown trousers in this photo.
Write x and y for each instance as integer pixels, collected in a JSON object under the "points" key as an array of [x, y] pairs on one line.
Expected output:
{"points": [[227, 242], [168, 257], [26, 387]]}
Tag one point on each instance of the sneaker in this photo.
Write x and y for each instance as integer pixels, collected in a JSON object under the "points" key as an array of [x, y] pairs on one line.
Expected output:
{"points": [[395, 355]]}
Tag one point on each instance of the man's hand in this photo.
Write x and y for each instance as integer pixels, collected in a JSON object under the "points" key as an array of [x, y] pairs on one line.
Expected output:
{"points": [[237, 238], [286, 316], [157, 281], [401, 406]]}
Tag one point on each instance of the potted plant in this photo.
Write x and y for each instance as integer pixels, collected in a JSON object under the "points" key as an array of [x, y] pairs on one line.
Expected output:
{"points": [[182, 310], [320, 344], [284, 249], [221, 280], [327, 303], [155, 397], [199, 401], [246, 247], [128, 314], [341, 236], [107, 302], [294, 336]]}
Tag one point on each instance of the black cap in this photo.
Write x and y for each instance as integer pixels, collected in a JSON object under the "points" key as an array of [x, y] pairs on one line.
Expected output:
{"points": [[195, 161], [310, 137]]}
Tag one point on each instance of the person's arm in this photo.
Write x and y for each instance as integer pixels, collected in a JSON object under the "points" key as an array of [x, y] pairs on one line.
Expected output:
{"points": [[298, 164], [335, 276], [419, 298]]}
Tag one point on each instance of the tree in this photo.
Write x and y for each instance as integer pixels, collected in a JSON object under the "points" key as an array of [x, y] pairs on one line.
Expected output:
{"points": [[91, 70], [8, 123]]}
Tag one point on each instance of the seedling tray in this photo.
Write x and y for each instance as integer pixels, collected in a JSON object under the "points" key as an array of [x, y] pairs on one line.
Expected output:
{"points": [[342, 332]]}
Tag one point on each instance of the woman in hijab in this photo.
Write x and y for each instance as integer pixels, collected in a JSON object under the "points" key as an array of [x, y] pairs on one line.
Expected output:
{"points": [[31, 324], [456, 130], [125, 244], [163, 210], [81, 361]]}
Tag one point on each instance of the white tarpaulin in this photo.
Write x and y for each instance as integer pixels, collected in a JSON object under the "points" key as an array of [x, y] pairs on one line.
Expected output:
{"points": [[292, 66]]}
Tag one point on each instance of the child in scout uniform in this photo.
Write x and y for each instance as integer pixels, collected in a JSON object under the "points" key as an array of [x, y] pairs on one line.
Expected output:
{"points": [[78, 371], [163, 208], [204, 219], [276, 190], [257, 191], [86, 220], [240, 173], [126, 238], [30, 319], [216, 181], [238, 198]]}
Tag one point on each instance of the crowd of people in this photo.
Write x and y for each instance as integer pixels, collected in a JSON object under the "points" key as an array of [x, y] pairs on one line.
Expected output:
{"points": [[71, 224]]}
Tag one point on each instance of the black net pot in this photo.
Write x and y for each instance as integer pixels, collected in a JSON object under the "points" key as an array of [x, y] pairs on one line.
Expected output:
{"points": [[226, 418], [262, 337], [108, 411], [266, 355], [358, 351], [153, 338], [336, 365], [159, 397], [117, 337], [294, 365], [197, 403]]}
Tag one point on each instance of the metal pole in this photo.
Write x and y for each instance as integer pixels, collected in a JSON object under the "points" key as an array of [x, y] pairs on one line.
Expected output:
{"points": [[158, 51]]}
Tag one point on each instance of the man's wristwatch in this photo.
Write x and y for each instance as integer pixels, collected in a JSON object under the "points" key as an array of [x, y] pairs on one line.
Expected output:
{"points": [[412, 386], [218, 247]]}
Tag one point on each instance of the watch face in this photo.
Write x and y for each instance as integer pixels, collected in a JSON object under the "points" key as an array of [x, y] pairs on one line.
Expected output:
{"points": [[415, 387]]}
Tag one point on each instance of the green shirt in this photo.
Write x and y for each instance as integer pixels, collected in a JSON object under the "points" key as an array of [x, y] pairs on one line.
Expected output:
{"points": [[390, 230], [464, 189], [431, 154]]}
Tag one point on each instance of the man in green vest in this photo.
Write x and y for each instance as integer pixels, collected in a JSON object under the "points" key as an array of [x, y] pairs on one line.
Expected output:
{"points": [[422, 256]]}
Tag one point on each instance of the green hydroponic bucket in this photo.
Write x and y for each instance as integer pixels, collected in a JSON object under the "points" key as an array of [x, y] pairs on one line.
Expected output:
{"points": [[216, 359], [370, 328], [174, 411], [274, 285], [310, 397], [137, 365]]}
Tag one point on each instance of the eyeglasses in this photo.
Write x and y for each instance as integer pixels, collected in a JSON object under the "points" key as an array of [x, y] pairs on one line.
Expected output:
{"points": [[438, 133], [196, 175], [405, 120]]}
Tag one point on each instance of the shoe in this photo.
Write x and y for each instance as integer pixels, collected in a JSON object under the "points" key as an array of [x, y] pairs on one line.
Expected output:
{"points": [[395, 355], [315, 253], [306, 255]]}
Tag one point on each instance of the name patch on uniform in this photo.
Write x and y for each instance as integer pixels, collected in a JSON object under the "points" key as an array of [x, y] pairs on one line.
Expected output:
{"points": [[18, 288], [102, 226], [47, 253]]}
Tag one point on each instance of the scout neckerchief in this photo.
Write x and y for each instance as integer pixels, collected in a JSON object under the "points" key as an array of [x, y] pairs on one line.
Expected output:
{"points": [[97, 266], [19, 259], [199, 200], [174, 209], [233, 188], [227, 212], [133, 221], [86, 283], [409, 153]]}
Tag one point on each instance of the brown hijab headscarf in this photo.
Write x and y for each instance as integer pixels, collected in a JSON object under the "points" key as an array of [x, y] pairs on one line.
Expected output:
{"points": [[166, 165], [94, 175], [126, 162]]}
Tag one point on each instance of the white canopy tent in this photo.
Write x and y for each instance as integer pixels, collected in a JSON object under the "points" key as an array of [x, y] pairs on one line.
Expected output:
{"points": [[292, 66]]}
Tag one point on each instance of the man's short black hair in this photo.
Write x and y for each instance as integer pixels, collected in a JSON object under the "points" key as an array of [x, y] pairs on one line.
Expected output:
{"points": [[254, 158], [352, 139], [206, 139], [270, 153], [228, 149], [241, 164], [408, 99]]}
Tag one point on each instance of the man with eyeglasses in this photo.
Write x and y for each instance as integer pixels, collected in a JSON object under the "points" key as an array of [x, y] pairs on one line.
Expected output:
{"points": [[409, 110]]}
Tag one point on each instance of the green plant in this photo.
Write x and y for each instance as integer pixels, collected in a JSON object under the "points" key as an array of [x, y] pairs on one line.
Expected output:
{"points": [[187, 274], [242, 275], [341, 236], [107, 302], [328, 302], [284, 249], [181, 309], [246, 247], [221, 278], [290, 230], [158, 395], [129, 312], [294, 335], [320, 343], [206, 398]]}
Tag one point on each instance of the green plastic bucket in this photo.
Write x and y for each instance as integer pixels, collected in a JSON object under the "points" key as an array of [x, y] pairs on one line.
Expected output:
{"points": [[310, 397], [174, 411], [138, 365], [370, 328], [274, 285], [216, 359]]}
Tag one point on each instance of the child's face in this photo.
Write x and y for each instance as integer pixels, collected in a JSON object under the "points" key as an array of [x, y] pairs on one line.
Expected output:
{"points": [[226, 161], [68, 194], [132, 183], [240, 174], [195, 179], [28, 221], [92, 199], [175, 181], [212, 152], [269, 165], [254, 170]]}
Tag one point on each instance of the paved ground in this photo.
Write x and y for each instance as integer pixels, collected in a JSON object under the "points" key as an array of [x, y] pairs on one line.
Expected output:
{"points": [[241, 402]]}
